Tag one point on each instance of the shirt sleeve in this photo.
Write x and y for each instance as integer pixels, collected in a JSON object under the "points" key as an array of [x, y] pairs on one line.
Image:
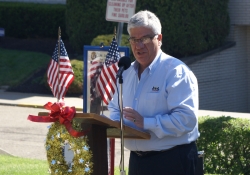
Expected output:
{"points": [[182, 102], [113, 108]]}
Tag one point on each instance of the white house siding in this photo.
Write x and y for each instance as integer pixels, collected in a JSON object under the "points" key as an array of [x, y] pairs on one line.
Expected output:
{"points": [[222, 77], [239, 11], [248, 65]]}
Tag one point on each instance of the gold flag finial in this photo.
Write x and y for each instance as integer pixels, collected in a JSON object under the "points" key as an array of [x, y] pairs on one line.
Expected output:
{"points": [[59, 32], [115, 32]]}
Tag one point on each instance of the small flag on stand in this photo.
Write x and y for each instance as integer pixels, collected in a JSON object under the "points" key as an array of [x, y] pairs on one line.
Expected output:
{"points": [[60, 80], [106, 82]]}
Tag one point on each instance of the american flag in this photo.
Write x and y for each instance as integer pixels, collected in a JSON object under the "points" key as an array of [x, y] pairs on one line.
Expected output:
{"points": [[106, 82], [66, 74]]}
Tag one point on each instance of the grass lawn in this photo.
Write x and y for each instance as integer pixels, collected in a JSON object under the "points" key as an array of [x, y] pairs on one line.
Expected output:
{"points": [[24, 69], [17, 65], [23, 166]]}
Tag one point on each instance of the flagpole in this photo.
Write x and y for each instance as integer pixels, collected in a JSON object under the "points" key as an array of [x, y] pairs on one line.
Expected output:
{"points": [[58, 66]]}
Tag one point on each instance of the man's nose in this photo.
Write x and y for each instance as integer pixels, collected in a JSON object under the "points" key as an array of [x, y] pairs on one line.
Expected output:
{"points": [[139, 44]]}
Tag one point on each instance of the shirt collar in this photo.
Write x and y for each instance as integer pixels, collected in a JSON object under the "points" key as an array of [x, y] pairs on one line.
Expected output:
{"points": [[152, 66]]}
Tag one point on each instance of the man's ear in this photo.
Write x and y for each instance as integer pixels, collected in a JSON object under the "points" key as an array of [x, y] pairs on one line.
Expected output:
{"points": [[159, 39]]}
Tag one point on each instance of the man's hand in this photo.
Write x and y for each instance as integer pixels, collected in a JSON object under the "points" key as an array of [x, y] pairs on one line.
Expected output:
{"points": [[132, 115]]}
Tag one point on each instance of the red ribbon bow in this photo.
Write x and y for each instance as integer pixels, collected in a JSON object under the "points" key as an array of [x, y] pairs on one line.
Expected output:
{"points": [[58, 113]]}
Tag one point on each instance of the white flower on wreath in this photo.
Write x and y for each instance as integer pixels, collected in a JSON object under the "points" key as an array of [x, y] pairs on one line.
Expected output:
{"points": [[78, 151]]}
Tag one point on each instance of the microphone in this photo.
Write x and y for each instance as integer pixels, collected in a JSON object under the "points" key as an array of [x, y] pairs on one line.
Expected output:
{"points": [[123, 64]]}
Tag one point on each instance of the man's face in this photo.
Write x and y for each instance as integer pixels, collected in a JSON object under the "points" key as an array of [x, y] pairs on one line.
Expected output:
{"points": [[144, 53]]}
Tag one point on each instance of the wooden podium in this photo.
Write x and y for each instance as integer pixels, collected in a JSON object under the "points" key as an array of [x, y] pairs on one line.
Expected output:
{"points": [[102, 128]]}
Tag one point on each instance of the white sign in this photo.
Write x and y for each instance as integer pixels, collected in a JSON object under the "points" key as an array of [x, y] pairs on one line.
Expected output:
{"points": [[120, 10]]}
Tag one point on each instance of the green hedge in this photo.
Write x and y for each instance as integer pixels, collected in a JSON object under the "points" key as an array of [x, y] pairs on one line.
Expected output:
{"points": [[30, 20], [107, 39], [85, 20], [190, 27], [77, 85], [226, 143]]}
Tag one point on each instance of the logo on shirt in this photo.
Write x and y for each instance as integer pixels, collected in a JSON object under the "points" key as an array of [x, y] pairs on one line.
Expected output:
{"points": [[155, 88]]}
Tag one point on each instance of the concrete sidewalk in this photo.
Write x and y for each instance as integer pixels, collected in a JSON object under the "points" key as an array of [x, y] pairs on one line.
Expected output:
{"points": [[39, 100], [35, 100]]}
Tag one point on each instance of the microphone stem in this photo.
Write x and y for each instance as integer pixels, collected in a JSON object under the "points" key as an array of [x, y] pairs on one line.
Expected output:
{"points": [[122, 171]]}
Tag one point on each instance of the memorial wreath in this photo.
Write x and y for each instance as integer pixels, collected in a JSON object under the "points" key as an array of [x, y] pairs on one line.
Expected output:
{"points": [[56, 140], [60, 133]]}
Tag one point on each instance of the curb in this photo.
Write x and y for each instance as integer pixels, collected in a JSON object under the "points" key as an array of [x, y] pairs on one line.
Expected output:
{"points": [[3, 152], [34, 106]]}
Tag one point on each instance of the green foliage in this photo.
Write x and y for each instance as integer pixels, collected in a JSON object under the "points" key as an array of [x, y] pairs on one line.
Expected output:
{"points": [[13, 65], [107, 39], [77, 85], [189, 27], [31, 20], [85, 20], [225, 141]]}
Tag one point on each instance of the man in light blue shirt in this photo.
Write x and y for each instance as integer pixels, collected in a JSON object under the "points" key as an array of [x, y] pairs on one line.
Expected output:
{"points": [[160, 96]]}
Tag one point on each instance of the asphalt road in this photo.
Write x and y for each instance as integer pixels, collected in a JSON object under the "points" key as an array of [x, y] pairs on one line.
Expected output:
{"points": [[23, 138], [19, 136]]}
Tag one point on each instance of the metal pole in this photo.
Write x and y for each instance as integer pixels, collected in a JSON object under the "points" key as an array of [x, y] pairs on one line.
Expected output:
{"points": [[58, 66], [119, 33], [122, 171]]}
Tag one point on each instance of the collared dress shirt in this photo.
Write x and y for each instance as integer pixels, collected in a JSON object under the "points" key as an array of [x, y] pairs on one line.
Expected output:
{"points": [[166, 96]]}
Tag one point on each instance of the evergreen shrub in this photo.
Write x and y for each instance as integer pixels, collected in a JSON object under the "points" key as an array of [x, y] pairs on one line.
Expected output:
{"points": [[85, 20], [107, 39], [31, 20], [190, 27], [77, 85], [225, 141]]}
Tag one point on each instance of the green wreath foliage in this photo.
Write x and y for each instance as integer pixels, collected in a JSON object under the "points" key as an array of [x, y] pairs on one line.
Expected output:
{"points": [[57, 138]]}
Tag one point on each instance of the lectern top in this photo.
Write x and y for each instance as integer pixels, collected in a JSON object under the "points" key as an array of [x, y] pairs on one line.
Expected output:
{"points": [[113, 127]]}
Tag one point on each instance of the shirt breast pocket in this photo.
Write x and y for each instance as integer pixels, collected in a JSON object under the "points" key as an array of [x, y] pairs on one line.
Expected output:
{"points": [[156, 103], [151, 102]]}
